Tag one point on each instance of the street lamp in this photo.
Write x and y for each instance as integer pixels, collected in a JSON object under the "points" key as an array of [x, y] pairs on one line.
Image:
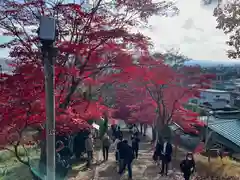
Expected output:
{"points": [[47, 34], [209, 114]]}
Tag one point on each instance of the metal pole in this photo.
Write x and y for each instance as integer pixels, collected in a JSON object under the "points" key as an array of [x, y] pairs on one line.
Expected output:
{"points": [[50, 110], [206, 135]]}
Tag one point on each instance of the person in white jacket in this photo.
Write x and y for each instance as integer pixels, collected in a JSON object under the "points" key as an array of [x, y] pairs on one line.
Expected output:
{"points": [[115, 147]]}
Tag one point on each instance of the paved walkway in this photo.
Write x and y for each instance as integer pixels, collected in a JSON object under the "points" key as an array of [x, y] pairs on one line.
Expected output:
{"points": [[143, 167]]}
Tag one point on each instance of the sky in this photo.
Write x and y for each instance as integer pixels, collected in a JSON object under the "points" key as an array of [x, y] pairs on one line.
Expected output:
{"points": [[192, 32]]}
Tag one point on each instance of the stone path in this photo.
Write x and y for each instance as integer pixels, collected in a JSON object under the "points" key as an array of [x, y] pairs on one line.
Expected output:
{"points": [[143, 167]]}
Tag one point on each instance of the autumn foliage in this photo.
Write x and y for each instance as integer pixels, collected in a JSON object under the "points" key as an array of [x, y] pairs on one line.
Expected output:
{"points": [[93, 47], [157, 92]]}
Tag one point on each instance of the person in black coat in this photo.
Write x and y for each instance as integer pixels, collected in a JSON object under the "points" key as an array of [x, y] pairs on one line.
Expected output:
{"points": [[135, 144], [166, 156], [120, 150], [157, 152], [128, 156], [118, 132], [63, 160], [187, 166]]}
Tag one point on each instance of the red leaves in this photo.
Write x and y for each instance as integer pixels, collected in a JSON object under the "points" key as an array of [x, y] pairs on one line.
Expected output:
{"points": [[22, 103], [158, 92], [93, 48]]}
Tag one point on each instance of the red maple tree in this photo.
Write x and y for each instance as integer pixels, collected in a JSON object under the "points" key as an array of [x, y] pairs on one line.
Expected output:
{"points": [[93, 44], [157, 93]]}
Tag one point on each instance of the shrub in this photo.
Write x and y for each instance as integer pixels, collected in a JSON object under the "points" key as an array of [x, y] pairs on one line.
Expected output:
{"points": [[217, 167]]}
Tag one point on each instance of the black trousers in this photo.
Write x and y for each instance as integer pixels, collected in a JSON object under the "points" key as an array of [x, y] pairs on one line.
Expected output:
{"points": [[126, 164], [105, 152], [89, 158], [165, 163], [186, 176], [135, 151], [117, 156]]}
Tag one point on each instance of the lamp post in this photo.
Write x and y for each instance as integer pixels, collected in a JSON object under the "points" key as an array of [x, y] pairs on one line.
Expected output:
{"points": [[47, 34], [210, 113]]}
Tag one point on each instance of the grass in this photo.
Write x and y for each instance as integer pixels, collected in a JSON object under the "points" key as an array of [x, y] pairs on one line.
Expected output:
{"points": [[11, 168], [217, 167]]}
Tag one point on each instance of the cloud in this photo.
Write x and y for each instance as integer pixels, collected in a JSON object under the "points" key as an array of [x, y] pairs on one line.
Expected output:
{"points": [[193, 32]]}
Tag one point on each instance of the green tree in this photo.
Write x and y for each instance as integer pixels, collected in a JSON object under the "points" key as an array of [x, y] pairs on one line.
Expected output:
{"points": [[228, 20]]}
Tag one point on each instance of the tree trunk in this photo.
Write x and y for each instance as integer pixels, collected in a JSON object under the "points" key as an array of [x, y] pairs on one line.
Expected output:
{"points": [[177, 142], [154, 134]]}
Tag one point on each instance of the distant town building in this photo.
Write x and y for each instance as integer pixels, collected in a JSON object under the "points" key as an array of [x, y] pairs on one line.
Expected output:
{"points": [[235, 99], [213, 98]]}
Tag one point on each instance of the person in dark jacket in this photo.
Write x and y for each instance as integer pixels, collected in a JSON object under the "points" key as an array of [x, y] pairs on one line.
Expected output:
{"points": [[157, 152], [128, 157], [63, 160], [166, 156], [187, 166], [120, 149], [113, 128], [105, 146], [135, 145], [118, 132]]}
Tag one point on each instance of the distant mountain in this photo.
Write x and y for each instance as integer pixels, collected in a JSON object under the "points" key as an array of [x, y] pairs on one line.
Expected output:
{"points": [[209, 63]]}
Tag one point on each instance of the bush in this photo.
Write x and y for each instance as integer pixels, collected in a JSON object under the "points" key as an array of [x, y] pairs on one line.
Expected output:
{"points": [[217, 167]]}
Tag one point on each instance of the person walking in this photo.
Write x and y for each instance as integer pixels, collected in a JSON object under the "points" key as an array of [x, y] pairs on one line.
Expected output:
{"points": [[166, 156], [120, 148], [115, 145], [89, 149], [135, 145], [135, 130], [141, 128], [158, 152], [113, 129], [187, 166], [118, 132], [145, 126], [105, 146], [97, 148], [128, 157]]}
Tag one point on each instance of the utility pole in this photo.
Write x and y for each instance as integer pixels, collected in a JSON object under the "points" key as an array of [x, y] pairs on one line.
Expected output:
{"points": [[210, 113], [47, 34]]}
